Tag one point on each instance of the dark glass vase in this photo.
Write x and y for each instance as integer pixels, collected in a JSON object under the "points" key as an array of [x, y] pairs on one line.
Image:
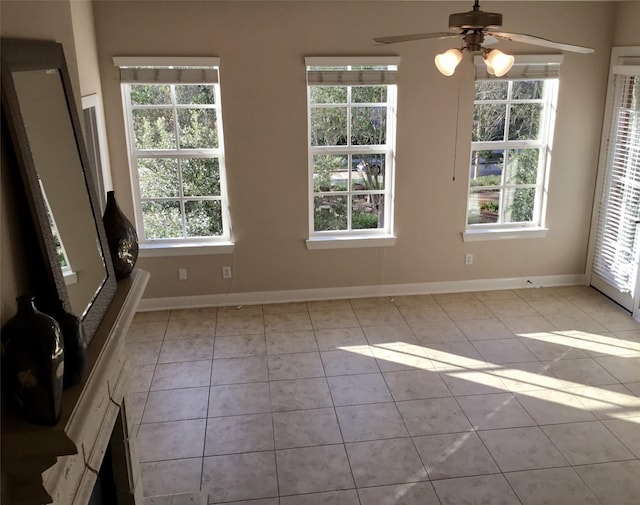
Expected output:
{"points": [[33, 362], [75, 345], [122, 238]]}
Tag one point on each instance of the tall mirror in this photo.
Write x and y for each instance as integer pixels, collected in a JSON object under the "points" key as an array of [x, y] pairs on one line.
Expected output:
{"points": [[45, 129]]}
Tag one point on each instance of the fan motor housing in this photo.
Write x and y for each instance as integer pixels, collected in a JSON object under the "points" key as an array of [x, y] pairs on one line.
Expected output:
{"points": [[473, 20]]}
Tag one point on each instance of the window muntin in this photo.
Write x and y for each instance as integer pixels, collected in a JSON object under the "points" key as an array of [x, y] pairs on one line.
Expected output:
{"points": [[177, 156], [351, 144], [511, 135]]}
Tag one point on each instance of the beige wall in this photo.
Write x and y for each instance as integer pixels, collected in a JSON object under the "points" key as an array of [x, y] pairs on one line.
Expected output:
{"points": [[262, 46]]}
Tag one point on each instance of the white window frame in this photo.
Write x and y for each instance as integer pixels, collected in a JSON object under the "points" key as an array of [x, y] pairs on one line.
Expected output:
{"points": [[378, 237], [166, 70], [529, 67]]}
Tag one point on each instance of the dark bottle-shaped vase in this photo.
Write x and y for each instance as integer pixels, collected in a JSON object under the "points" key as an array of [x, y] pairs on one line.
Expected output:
{"points": [[33, 362], [75, 345], [122, 238]]}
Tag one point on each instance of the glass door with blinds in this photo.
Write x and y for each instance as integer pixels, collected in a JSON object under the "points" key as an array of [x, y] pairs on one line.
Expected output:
{"points": [[616, 242]]}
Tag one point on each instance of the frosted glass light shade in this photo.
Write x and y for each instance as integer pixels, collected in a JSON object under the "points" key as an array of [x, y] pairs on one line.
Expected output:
{"points": [[448, 61], [498, 63]]}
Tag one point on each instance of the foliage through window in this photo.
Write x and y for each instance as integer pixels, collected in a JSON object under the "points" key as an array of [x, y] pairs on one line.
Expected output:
{"points": [[351, 145], [176, 149], [512, 125]]}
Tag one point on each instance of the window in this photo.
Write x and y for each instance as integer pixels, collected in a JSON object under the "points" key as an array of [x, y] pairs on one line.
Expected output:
{"points": [[176, 150], [511, 138], [351, 114]]}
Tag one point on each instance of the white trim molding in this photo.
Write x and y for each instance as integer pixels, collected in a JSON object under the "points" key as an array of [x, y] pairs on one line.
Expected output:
{"points": [[306, 295]]}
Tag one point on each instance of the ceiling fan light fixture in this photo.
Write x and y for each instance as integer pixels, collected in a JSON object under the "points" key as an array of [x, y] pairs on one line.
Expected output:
{"points": [[497, 62], [448, 61]]}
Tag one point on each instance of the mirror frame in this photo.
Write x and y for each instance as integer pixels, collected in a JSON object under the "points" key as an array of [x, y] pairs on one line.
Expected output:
{"points": [[28, 55]]}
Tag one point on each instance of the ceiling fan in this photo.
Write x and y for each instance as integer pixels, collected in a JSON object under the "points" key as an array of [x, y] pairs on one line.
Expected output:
{"points": [[477, 27]]}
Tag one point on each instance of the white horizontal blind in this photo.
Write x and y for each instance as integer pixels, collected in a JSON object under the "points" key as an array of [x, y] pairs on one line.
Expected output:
{"points": [[369, 71], [526, 67], [137, 70], [616, 245]]}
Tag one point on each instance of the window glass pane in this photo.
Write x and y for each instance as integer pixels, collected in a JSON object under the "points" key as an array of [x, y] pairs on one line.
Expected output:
{"points": [[330, 172], [484, 206], [492, 90], [328, 94], [369, 125], [486, 168], [194, 94], [150, 94], [369, 94], [330, 212], [162, 219], [522, 167], [527, 90], [154, 129], [524, 123], [367, 171], [204, 218], [519, 203], [367, 212], [200, 177], [329, 126], [158, 177], [198, 129], [488, 122]]}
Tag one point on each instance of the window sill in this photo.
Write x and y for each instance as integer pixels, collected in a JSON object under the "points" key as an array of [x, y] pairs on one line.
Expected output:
{"points": [[185, 249], [351, 242], [504, 234]]}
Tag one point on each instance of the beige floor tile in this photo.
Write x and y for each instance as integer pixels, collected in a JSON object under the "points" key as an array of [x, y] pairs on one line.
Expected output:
{"points": [[239, 370], [294, 321], [313, 470], [508, 350], [499, 294], [185, 374], [143, 353], [151, 316], [176, 404], [554, 486], [377, 421], [551, 305], [238, 399], [372, 302], [171, 440], [455, 297], [146, 331], [359, 389], [423, 313], [190, 328], [348, 497], [333, 318], [291, 341], [583, 371], [524, 325], [521, 449], [206, 313], [357, 360], [394, 358], [300, 394], [383, 462], [527, 376], [415, 385], [295, 366], [449, 355], [613, 483], [576, 321], [433, 416], [484, 329], [171, 477], [510, 308], [306, 428], [495, 411], [463, 382], [437, 331], [461, 311], [416, 493], [408, 300], [240, 311], [554, 407], [285, 308], [454, 455], [608, 402], [587, 442], [237, 434], [239, 324], [250, 475], [373, 316], [240, 346], [188, 349], [141, 378], [551, 347], [390, 334], [339, 338], [627, 431], [623, 368], [324, 305], [614, 320], [479, 490]]}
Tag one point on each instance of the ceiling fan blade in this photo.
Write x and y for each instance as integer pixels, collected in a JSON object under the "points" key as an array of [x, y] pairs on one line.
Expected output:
{"points": [[539, 41], [415, 36]]}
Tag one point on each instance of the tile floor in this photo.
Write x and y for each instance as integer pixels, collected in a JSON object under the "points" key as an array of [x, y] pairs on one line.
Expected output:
{"points": [[508, 397]]}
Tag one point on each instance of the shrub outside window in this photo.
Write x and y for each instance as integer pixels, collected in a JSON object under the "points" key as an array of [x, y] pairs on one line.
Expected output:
{"points": [[351, 114], [176, 150], [511, 138]]}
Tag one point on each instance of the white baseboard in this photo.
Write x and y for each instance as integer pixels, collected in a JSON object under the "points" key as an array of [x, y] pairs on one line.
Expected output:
{"points": [[307, 295]]}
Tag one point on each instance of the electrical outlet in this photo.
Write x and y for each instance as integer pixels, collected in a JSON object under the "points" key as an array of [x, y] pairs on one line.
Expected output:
{"points": [[468, 259], [182, 274], [226, 272]]}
